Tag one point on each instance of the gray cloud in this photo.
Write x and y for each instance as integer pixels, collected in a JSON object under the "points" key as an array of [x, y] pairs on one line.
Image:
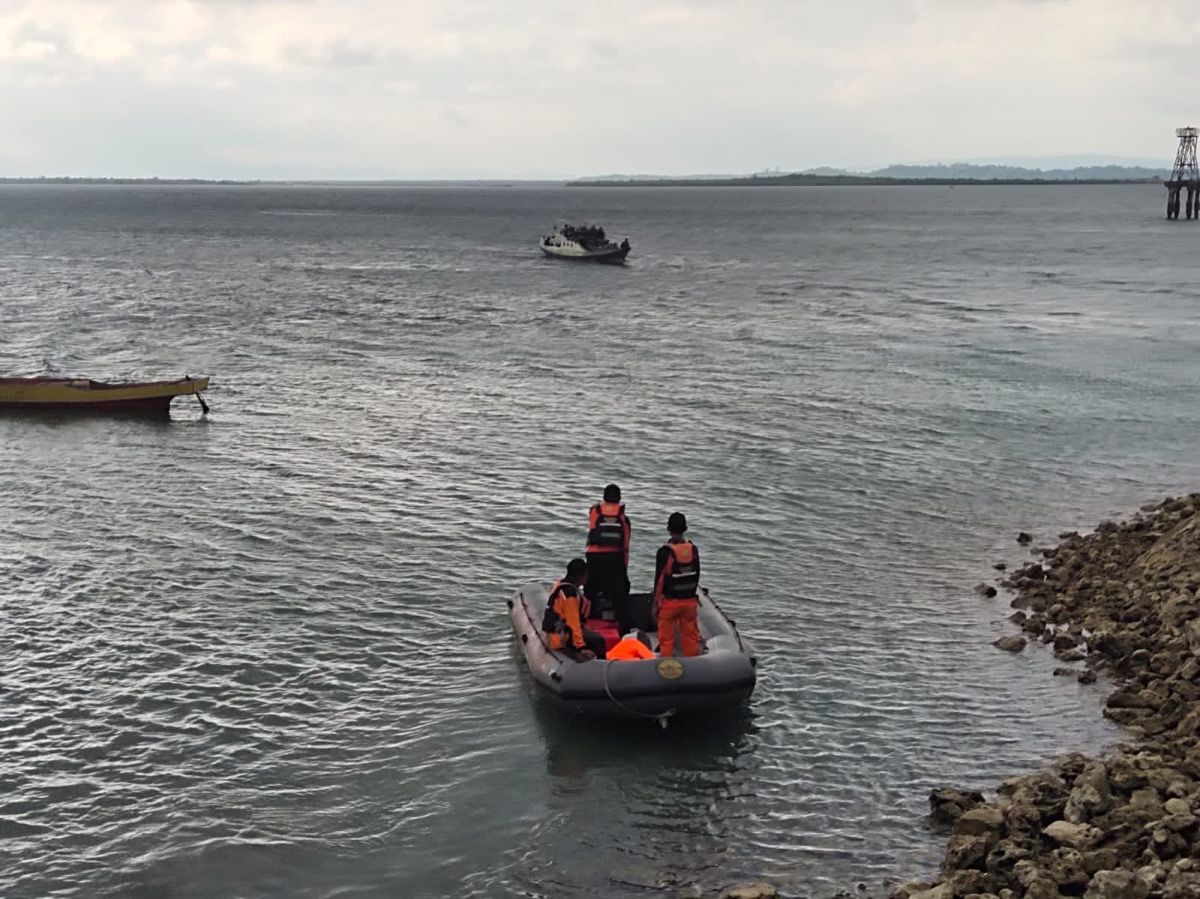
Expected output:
{"points": [[363, 88]]}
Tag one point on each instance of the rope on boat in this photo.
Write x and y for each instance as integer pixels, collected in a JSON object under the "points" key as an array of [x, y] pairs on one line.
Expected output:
{"points": [[661, 719]]}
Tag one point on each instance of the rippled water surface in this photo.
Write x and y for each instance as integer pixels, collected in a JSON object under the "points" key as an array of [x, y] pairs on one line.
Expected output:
{"points": [[265, 653]]}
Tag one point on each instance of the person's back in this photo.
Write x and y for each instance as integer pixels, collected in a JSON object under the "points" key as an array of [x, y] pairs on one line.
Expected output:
{"points": [[566, 611], [609, 533], [676, 587]]}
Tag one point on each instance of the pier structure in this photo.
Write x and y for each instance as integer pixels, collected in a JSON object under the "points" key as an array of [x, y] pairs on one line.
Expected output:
{"points": [[1184, 175]]}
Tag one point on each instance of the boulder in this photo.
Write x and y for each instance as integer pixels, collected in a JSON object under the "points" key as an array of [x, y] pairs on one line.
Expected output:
{"points": [[969, 850], [986, 819], [1066, 868], [1011, 643], [1043, 888], [752, 891], [1100, 860], [1124, 774], [941, 891], [908, 890], [1118, 884], [1091, 795], [1042, 790], [970, 882], [1181, 883], [1180, 821], [1076, 836], [946, 804]]}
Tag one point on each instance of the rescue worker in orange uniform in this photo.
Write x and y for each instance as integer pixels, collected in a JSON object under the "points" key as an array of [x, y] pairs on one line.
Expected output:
{"points": [[676, 586], [566, 611], [608, 556]]}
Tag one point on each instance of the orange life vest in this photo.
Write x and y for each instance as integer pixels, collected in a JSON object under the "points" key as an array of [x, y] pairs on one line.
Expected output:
{"points": [[608, 528], [680, 577], [554, 623], [629, 649]]}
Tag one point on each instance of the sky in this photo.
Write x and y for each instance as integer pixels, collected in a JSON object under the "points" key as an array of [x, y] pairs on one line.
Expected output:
{"points": [[412, 89]]}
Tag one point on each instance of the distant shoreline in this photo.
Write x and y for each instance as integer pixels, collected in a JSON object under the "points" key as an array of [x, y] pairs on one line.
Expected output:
{"points": [[748, 181], [853, 181], [299, 182]]}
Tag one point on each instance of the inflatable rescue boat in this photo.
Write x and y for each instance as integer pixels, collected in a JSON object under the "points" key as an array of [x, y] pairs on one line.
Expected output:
{"points": [[657, 688]]}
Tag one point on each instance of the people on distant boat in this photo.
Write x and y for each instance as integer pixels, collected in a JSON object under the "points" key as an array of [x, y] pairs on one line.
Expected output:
{"points": [[609, 531], [566, 610], [676, 582]]}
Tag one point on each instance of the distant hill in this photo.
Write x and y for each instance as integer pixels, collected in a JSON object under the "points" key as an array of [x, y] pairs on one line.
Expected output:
{"points": [[628, 178], [942, 173], [1007, 172]]}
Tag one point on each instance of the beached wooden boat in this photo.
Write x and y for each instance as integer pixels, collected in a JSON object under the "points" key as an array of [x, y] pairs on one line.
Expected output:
{"points": [[85, 395]]}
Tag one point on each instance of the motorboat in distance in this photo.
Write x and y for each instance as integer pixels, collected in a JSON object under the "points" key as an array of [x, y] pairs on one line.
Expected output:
{"points": [[586, 243], [86, 395]]}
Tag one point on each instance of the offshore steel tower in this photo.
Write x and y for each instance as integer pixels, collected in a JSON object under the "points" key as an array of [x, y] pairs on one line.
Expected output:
{"points": [[1184, 175]]}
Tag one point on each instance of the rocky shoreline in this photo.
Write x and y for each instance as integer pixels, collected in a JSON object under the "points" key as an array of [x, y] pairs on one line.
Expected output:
{"points": [[1123, 603], [1123, 600]]}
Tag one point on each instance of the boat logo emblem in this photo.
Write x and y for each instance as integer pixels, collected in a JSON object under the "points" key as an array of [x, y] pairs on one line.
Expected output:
{"points": [[670, 669]]}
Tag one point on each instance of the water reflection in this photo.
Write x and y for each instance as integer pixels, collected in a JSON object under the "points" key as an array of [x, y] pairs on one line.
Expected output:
{"points": [[667, 801]]}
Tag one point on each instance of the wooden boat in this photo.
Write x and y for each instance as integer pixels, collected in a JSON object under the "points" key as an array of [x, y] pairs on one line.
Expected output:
{"points": [[85, 395]]}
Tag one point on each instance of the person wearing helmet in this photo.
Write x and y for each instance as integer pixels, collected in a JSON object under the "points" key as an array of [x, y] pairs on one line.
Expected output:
{"points": [[608, 557], [566, 610], [676, 590]]}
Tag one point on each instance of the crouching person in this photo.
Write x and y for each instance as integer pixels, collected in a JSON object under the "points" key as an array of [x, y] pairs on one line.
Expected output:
{"points": [[566, 610]]}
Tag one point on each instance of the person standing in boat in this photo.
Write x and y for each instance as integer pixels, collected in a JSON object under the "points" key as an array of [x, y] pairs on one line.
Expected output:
{"points": [[676, 587], [566, 610], [608, 557]]}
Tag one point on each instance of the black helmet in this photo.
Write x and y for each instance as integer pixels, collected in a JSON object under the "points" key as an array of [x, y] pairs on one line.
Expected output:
{"points": [[576, 569], [677, 523], [612, 494]]}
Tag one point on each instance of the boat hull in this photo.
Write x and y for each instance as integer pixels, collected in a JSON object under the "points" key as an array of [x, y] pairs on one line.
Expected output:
{"points": [[615, 256], [82, 395], [658, 688]]}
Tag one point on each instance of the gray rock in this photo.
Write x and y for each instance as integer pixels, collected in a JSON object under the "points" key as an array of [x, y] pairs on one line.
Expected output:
{"points": [[1010, 643], [1065, 867], [910, 889], [986, 819], [1043, 888], [1177, 806], [1118, 884], [968, 850], [941, 891], [1091, 795], [1043, 791], [946, 804], [1077, 836], [752, 891]]}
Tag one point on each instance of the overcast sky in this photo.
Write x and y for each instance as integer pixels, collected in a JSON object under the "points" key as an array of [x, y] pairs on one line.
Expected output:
{"points": [[559, 88]]}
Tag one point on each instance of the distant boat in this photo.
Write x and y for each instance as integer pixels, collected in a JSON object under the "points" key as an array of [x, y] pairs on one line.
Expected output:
{"points": [[86, 395], [586, 243]]}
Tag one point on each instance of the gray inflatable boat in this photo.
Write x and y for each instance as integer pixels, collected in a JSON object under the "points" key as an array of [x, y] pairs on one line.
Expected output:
{"points": [[722, 677]]}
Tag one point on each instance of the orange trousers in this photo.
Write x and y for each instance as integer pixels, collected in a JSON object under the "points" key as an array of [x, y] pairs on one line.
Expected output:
{"points": [[684, 614]]}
